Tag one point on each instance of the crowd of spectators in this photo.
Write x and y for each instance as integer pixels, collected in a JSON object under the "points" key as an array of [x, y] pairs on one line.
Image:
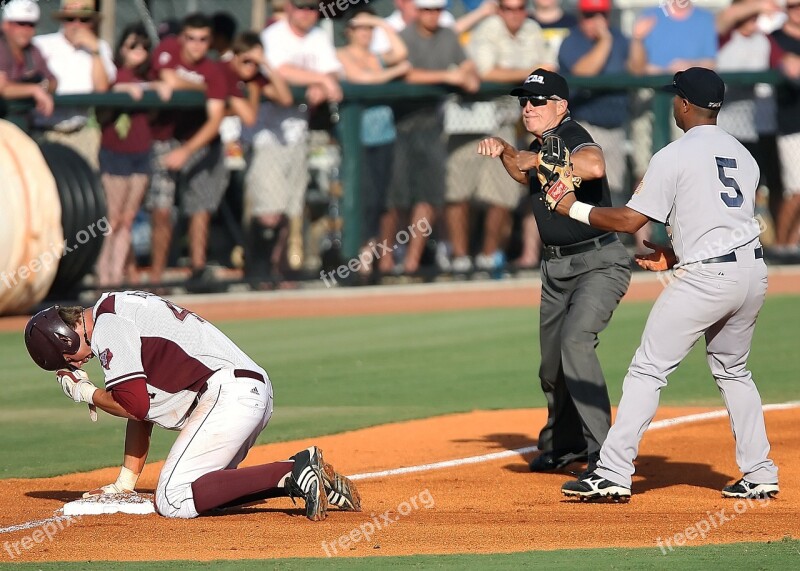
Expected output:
{"points": [[418, 160]]}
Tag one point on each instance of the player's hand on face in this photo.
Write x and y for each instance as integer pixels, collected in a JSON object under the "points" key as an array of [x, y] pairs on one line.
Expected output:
{"points": [[661, 260], [75, 384], [491, 147]]}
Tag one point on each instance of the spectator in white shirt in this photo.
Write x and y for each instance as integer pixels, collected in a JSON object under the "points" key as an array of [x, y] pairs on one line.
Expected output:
{"points": [[82, 63]]}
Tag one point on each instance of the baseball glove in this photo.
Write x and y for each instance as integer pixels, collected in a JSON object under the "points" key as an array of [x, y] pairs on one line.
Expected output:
{"points": [[555, 171]]}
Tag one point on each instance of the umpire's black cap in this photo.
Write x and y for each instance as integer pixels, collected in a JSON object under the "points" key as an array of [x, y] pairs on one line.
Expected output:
{"points": [[699, 86], [544, 83]]}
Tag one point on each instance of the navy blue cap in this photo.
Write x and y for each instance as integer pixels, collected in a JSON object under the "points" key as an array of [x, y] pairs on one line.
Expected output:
{"points": [[699, 86]]}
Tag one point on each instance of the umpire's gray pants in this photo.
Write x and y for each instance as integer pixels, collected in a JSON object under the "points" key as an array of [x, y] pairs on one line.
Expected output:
{"points": [[579, 295]]}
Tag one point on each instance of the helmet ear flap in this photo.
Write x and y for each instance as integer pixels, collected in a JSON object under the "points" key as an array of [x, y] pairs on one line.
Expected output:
{"points": [[48, 338]]}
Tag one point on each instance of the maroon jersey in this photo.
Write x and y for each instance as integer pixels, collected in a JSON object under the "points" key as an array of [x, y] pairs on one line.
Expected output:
{"points": [[133, 135], [183, 124]]}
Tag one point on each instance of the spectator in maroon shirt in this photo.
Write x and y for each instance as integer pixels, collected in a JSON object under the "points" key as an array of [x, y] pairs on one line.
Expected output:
{"points": [[22, 63], [187, 144], [125, 149]]}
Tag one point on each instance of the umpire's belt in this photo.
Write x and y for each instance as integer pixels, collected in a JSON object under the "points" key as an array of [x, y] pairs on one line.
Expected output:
{"points": [[579, 247], [731, 257]]}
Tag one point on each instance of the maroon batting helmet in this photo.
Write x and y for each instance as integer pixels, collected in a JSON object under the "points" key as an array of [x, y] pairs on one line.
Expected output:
{"points": [[48, 339]]}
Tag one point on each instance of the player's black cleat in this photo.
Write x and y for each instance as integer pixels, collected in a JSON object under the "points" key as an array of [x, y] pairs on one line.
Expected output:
{"points": [[307, 481], [340, 490], [745, 489], [594, 487]]}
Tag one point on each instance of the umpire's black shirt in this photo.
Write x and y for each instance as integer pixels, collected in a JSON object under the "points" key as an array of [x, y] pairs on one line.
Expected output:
{"points": [[555, 229]]}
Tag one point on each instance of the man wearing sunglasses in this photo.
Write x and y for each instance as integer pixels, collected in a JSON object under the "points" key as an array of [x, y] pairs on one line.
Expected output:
{"points": [[82, 63], [188, 144], [22, 62], [585, 273]]}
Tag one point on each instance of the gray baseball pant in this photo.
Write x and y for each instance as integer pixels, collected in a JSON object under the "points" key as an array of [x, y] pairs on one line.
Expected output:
{"points": [[720, 301]]}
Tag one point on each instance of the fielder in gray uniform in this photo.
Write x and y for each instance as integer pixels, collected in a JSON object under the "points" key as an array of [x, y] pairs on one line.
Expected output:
{"points": [[703, 186]]}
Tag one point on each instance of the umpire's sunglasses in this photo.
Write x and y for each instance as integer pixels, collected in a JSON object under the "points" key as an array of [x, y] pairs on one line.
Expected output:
{"points": [[535, 100]]}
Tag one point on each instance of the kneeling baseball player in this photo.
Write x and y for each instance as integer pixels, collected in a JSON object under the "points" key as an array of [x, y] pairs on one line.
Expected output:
{"points": [[165, 365]]}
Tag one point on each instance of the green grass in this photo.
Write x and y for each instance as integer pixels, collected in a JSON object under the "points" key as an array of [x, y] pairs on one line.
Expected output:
{"points": [[336, 374], [747, 556]]}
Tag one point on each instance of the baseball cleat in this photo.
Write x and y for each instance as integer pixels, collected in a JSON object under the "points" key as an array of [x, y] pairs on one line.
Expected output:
{"points": [[550, 461], [307, 481], [342, 492], [594, 487], [745, 489]]}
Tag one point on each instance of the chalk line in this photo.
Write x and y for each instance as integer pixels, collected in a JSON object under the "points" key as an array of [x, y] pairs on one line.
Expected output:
{"points": [[658, 425], [519, 451]]}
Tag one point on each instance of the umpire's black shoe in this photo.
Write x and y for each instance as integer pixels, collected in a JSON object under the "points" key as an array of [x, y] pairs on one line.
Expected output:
{"points": [[550, 461]]}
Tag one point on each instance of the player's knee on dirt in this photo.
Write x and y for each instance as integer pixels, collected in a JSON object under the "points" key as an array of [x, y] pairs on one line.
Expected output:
{"points": [[175, 501]]}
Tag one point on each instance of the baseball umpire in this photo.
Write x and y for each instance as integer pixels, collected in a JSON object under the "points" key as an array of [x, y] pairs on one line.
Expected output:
{"points": [[166, 365], [703, 186], [585, 272]]}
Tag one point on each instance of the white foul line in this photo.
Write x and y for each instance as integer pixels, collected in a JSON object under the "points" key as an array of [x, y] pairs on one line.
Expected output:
{"points": [[36, 523], [519, 451], [471, 459]]}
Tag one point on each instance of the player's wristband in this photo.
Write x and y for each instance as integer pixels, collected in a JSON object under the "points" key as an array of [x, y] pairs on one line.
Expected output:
{"points": [[87, 391], [580, 211], [126, 479]]}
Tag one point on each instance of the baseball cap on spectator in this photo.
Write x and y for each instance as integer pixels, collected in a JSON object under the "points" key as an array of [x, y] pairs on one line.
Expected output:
{"points": [[590, 6], [430, 4], [77, 9], [305, 4], [21, 11], [699, 86], [543, 83]]}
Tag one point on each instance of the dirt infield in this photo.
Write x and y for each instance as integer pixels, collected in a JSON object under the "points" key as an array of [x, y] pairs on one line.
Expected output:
{"points": [[490, 506], [494, 506]]}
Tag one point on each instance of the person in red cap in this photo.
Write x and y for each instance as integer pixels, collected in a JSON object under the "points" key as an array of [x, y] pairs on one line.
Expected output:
{"points": [[596, 47]]}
